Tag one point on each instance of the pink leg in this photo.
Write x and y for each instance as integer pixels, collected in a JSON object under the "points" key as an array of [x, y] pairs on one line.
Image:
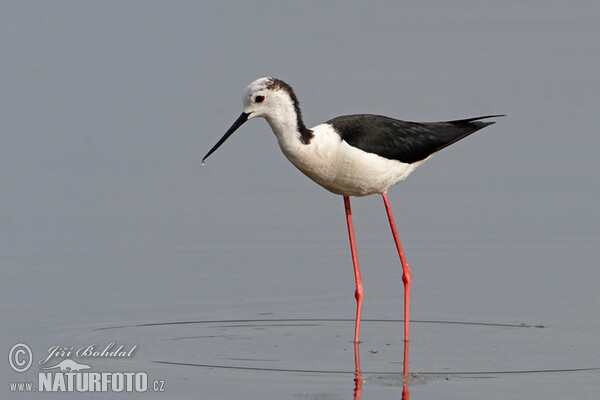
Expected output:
{"points": [[359, 287], [405, 271]]}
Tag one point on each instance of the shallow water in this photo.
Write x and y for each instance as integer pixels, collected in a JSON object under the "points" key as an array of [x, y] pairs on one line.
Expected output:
{"points": [[235, 278]]}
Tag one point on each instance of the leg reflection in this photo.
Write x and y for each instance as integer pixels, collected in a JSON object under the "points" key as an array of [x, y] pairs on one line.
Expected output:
{"points": [[357, 375]]}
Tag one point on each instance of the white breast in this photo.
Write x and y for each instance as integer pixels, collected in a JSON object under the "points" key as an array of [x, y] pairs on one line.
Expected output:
{"points": [[341, 168]]}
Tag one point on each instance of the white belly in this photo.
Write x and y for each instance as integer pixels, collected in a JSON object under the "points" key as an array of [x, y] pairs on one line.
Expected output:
{"points": [[343, 169]]}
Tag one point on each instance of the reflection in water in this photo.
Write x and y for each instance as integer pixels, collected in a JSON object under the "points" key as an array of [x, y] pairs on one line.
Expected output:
{"points": [[405, 378], [358, 378]]}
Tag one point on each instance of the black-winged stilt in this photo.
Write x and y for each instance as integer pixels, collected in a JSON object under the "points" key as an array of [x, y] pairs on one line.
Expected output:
{"points": [[353, 155]]}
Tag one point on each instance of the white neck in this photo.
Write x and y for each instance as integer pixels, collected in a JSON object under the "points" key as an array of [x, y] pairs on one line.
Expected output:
{"points": [[284, 123]]}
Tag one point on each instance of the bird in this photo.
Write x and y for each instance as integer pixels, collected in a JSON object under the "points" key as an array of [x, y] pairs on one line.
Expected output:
{"points": [[352, 155]]}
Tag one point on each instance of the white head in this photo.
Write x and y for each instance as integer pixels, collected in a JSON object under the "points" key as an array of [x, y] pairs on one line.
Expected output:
{"points": [[274, 100], [267, 97]]}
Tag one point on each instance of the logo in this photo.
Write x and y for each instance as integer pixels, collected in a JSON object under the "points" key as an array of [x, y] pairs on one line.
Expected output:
{"points": [[68, 375], [69, 366]]}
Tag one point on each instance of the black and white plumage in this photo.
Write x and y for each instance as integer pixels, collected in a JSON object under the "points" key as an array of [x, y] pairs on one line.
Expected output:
{"points": [[353, 155], [407, 142]]}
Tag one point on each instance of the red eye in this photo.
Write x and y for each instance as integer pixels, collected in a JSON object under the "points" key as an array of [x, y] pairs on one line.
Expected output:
{"points": [[259, 99]]}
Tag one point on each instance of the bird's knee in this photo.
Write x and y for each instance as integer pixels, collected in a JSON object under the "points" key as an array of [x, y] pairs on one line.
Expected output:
{"points": [[359, 293], [406, 276]]}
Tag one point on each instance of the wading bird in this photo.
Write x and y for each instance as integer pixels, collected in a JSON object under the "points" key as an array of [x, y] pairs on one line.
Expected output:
{"points": [[352, 155]]}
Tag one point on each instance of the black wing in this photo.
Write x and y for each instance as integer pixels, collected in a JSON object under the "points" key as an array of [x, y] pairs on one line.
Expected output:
{"points": [[404, 141]]}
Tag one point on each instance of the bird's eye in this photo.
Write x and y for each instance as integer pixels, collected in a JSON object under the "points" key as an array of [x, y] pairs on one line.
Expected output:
{"points": [[259, 99]]}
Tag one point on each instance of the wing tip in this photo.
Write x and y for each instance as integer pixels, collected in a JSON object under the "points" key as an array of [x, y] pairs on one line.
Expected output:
{"points": [[467, 120]]}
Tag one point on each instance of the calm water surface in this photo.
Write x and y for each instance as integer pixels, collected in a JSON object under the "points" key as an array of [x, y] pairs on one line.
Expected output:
{"points": [[235, 279]]}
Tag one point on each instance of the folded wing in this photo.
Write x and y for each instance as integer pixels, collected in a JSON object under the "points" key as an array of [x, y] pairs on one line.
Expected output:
{"points": [[407, 142]]}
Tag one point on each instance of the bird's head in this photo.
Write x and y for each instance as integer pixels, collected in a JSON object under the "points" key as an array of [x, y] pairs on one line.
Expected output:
{"points": [[269, 98]]}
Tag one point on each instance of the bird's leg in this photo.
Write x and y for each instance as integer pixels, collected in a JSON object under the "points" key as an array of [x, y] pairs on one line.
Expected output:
{"points": [[359, 287], [405, 269]]}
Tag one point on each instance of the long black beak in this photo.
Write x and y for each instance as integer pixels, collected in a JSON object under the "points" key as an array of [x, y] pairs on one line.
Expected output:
{"points": [[239, 122]]}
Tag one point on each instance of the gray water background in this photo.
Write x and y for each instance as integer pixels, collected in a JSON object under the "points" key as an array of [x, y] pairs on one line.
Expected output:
{"points": [[107, 217]]}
